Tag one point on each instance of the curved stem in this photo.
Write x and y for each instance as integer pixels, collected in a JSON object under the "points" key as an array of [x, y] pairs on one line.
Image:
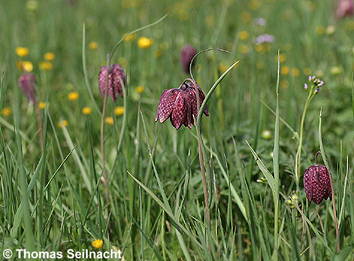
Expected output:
{"points": [[203, 51]]}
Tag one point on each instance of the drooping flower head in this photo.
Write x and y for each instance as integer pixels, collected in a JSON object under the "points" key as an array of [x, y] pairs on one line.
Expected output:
{"points": [[345, 8], [110, 80], [27, 82], [187, 54], [181, 104], [317, 183]]}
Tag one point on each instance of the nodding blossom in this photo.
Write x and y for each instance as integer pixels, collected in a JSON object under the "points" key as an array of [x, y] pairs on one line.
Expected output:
{"points": [[345, 8], [187, 54], [27, 82], [110, 80], [181, 104], [317, 183]]}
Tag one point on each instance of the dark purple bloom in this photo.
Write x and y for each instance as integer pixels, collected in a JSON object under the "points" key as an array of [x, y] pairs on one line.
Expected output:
{"points": [[180, 104], [264, 38], [110, 80], [187, 54], [317, 183], [345, 8], [27, 82]]}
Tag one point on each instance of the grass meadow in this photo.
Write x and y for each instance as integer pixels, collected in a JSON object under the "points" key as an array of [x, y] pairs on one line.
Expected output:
{"points": [[71, 175]]}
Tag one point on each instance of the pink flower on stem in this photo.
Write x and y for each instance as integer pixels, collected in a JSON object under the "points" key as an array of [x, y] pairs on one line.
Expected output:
{"points": [[27, 82], [110, 80], [181, 104]]}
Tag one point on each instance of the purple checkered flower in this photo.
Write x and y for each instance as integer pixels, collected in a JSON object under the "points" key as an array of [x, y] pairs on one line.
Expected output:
{"points": [[181, 104], [317, 183], [345, 8], [110, 80], [27, 82], [187, 54], [264, 38]]}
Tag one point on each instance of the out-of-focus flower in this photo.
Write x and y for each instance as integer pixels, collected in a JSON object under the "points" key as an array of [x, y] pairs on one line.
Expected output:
{"points": [[49, 56], [320, 30], [93, 45], [317, 183], [129, 37], [139, 89], [42, 105], [244, 49], [186, 56], [284, 84], [25, 66], [27, 83], [330, 29], [86, 110], [264, 38], [6, 111], [119, 110], [246, 17], [22, 51], [144, 42], [292, 201], [260, 21], [282, 58], [181, 104], [45, 66], [109, 120], [98, 243], [266, 134], [284, 70], [110, 81], [63, 123], [73, 96], [295, 72], [222, 68], [335, 70], [345, 8], [307, 71], [32, 5], [244, 35]]}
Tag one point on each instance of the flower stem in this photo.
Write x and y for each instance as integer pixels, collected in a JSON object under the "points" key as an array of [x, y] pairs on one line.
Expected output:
{"points": [[301, 133]]}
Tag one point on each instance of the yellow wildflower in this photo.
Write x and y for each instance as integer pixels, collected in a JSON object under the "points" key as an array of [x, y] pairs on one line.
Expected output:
{"points": [[49, 56], [63, 123], [282, 58], [284, 70], [72, 96], [144, 42], [42, 105], [109, 120], [45, 66], [246, 17], [244, 49], [244, 35], [6, 111], [119, 110], [320, 30], [335, 70], [93, 45], [139, 89], [98, 243], [222, 68], [129, 37], [32, 5], [295, 72], [330, 29], [26, 66], [86, 110], [22, 51], [284, 84]]}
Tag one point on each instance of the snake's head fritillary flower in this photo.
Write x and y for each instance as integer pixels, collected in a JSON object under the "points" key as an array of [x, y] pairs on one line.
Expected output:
{"points": [[181, 104], [187, 54], [110, 80], [27, 82], [317, 183], [345, 8]]}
